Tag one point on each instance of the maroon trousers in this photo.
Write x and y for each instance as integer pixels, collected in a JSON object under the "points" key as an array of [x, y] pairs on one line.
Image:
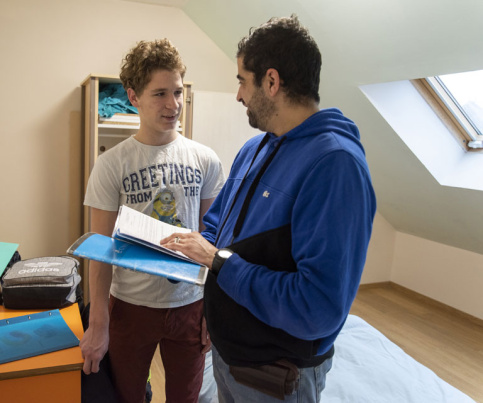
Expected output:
{"points": [[135, 332]]}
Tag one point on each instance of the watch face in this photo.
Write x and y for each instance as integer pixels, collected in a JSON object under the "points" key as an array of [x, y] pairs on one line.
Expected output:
{"points": [[224, 253]]}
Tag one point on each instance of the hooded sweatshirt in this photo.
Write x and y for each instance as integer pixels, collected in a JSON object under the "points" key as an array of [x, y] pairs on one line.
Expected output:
{"points": [[300, 238]]}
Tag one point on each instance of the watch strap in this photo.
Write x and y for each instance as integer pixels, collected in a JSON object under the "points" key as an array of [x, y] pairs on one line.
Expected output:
{"points": [[221, 256]]}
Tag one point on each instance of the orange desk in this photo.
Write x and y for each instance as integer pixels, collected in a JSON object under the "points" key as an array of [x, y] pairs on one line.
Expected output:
{"points": [[47, 378]]}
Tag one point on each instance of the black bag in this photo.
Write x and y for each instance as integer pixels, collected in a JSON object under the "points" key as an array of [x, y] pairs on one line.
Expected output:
{"points": [[42, 283], [278, 379], [97, 387]]}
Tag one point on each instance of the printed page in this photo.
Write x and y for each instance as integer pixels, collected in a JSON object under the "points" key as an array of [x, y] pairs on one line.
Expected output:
{"points": [[135, 226], [141, 226]]}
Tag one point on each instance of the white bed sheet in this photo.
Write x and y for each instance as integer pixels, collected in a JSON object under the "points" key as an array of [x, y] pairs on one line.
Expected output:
{"points": [[369, 368]]}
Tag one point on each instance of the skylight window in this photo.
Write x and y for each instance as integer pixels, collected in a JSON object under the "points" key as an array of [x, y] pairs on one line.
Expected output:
{"points": [[420, 118], [461, 98]]}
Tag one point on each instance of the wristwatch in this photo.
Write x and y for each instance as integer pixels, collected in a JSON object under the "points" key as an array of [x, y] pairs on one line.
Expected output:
{"points": [[221, 256]]}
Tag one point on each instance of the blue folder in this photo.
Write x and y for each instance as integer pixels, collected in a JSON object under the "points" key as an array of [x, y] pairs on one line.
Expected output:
{"points": [[35, 334], [137, 257]]}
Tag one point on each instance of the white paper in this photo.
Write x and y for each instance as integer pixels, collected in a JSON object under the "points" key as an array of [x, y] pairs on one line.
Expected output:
{"points": [[132, 225]]}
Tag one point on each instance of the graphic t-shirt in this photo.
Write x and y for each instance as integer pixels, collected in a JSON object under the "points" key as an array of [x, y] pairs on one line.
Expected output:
{"points": [[166, 182]]}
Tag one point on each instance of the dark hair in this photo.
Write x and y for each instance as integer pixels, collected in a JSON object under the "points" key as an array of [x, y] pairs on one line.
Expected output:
{"points": [[283, 44], [146, 57]]}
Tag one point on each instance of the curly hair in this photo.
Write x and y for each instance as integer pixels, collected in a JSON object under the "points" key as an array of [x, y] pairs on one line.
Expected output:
{"points": [[285, 45], [146, 57]]}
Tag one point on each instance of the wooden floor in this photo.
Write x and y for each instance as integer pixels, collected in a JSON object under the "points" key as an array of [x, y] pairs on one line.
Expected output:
{"points": [[157, 379], [443, 339], [447, 341]]}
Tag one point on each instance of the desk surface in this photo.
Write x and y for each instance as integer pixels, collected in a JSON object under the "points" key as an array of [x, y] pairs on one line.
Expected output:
{"points": [[58, 361]]}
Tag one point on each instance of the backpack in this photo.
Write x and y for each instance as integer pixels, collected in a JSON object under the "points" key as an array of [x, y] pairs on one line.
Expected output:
{"points": [[42, 283]]}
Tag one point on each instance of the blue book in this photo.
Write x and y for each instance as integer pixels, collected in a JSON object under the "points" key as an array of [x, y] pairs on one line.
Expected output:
{"points": [[35, 334], [138, 257]]}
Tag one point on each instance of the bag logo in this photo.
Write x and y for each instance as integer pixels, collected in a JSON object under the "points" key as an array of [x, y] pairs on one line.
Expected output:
{"points": [[40, 267]]}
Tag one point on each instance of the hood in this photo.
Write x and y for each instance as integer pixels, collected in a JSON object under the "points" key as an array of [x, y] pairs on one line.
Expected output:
{"points": [[327, 122]]}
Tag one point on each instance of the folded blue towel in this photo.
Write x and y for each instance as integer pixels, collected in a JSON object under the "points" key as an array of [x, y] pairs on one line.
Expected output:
{"points": [[113, 99]]}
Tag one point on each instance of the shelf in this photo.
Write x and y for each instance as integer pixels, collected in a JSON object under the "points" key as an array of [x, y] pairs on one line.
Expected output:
{"points": [[115, 136], [118, 126]]}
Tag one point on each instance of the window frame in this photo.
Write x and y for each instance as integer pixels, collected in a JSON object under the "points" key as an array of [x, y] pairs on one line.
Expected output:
{"points": [[450, 113]]}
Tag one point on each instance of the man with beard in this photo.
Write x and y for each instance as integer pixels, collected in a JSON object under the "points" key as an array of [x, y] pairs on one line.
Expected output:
{"points": [[286, 239]]}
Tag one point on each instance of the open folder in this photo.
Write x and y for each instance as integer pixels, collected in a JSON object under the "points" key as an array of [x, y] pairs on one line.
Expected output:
{"points": [[133, 226], [137, 257], [135, 245], [35, 334]]}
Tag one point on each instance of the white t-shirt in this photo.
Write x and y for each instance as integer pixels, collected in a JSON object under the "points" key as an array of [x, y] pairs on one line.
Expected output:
{"points": [[166, 182]]}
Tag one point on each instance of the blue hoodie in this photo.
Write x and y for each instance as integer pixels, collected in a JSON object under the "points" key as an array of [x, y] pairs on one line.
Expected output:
{"points": [[300, 245]]}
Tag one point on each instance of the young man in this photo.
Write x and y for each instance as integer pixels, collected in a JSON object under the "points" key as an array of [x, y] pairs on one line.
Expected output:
{"points": [[172, 178], [286, 238]]}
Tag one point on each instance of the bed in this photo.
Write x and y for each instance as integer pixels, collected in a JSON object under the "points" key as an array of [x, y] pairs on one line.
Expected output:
{"points": [[368, 367]]}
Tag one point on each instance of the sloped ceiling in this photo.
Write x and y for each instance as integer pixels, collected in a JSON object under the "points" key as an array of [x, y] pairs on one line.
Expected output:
{"points": [[372, 41]]}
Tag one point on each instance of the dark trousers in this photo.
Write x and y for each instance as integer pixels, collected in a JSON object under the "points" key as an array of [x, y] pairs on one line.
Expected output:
{"points": [[135, 332]]}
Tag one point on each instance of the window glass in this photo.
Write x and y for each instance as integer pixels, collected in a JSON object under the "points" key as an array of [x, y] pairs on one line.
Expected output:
{"points": [[466, 90]]}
